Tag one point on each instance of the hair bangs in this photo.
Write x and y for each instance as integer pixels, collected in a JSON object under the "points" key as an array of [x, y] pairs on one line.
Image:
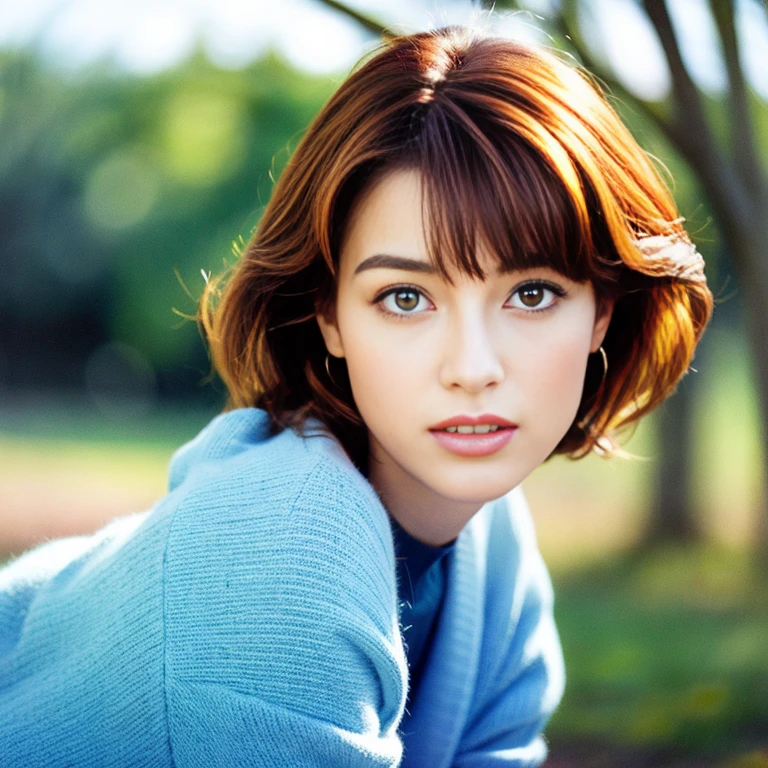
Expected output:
{"points": [[499, 193]]}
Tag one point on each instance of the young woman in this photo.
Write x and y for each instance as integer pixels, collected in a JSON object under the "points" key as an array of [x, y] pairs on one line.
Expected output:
{"points": [[467, 266]]}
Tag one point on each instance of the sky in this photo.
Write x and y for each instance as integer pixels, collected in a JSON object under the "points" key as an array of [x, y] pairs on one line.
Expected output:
{"points": [[146, 36]]}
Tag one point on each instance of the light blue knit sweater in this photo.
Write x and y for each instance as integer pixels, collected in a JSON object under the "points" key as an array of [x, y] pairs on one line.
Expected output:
{"points": [[250, 619]]}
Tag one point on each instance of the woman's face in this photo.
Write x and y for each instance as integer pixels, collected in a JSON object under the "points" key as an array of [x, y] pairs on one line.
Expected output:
{"points": [[512, 349]]}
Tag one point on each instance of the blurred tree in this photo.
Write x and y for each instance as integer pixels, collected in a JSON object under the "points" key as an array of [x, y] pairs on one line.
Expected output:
{"points": [[718, 140], [49, 263], [111, 185]]}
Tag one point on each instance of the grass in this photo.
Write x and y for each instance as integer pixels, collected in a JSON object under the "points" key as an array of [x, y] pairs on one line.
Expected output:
{"points": [[666, 657], [67, 470]]}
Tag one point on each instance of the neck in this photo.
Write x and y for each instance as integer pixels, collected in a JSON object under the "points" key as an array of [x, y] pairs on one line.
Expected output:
{"points": [[422, 512]]}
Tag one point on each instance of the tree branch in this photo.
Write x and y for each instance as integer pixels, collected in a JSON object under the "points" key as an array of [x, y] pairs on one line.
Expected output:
{"points": [[687, 95], [371, 25], [695, 139], [565, 24], [744, 150]]}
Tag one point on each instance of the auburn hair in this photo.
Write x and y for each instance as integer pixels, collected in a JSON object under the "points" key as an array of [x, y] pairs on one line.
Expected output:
{"points": [[515, 147]]}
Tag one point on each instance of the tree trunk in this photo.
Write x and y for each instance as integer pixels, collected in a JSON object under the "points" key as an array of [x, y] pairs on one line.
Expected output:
{"points": [[672, 516], [754, 284]]}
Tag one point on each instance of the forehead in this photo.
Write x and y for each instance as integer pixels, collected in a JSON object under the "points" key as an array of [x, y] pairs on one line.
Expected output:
{"points": [[388, 212]]}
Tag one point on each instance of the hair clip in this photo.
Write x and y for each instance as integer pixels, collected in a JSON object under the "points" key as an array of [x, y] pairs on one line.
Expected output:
{"points": [[671, 255]]}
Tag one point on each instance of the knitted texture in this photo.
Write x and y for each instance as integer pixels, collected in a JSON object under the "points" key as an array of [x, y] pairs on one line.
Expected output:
{"points": [[250, 619]]}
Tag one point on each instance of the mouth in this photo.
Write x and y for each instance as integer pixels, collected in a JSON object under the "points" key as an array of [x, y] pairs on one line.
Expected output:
{"points": [[478, 429], [483, 424], [474, 435]]}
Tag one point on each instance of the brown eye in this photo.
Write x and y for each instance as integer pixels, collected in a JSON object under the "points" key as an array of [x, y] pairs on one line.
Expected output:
{"points": [[532, 295], [406, 300], [403, 302], [536, 296]]}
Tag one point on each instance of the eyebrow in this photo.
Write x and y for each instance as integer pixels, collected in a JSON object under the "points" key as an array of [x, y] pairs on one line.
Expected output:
{"points": [[387, 261]]}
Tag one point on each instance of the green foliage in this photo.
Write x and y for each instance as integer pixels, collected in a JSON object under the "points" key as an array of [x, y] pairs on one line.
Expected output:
{"points": [[110, 183], [665, 650]]}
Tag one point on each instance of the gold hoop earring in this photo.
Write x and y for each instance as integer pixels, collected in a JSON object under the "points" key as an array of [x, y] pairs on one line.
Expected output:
{"points": [[328, 369], [605, 363]]}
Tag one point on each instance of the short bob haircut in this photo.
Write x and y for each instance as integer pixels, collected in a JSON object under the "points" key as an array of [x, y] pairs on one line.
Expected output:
{"points": [[514, 146]]}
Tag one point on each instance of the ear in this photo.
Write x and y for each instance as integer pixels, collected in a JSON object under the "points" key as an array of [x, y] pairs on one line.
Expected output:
{"points": [[326, 320], [602, 321]]}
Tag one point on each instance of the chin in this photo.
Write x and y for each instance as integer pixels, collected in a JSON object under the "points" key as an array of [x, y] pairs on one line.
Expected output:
{"points": [[472, 488]]}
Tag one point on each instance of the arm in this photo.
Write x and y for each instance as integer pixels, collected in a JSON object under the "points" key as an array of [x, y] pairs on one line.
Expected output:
{"points": [[282, 645], [523, 680]]}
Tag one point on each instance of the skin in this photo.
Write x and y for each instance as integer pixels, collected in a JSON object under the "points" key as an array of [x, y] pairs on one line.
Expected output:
{"points": [[472, 348]]}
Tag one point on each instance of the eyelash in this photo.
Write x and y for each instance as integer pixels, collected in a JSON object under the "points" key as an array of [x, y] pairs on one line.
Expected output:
{"points": [[556, 289]]}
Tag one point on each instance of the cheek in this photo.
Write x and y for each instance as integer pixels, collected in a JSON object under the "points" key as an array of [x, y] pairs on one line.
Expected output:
{"points": [[554, 381], [384, 374]]}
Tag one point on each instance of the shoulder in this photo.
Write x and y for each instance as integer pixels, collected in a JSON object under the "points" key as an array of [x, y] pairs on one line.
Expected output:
{"points": [[279, 523], [239, 479], [279, 576]]}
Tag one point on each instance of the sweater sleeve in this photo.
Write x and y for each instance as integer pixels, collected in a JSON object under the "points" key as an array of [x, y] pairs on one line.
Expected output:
{"points": [[282, 646], [524, 684]]}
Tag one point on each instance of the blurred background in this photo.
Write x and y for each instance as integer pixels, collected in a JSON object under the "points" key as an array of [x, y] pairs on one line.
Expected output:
{"points": [[138, 144]]}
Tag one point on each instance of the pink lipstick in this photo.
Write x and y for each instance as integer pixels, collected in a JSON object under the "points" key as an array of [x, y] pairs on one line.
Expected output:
{"points": [[496, 434]]}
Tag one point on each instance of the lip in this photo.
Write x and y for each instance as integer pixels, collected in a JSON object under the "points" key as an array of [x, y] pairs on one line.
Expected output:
{"points": [[471, 421], [474, 445]]}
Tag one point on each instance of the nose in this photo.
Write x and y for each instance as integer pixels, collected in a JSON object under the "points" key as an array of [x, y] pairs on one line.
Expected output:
{"points": [[470, 361]]}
